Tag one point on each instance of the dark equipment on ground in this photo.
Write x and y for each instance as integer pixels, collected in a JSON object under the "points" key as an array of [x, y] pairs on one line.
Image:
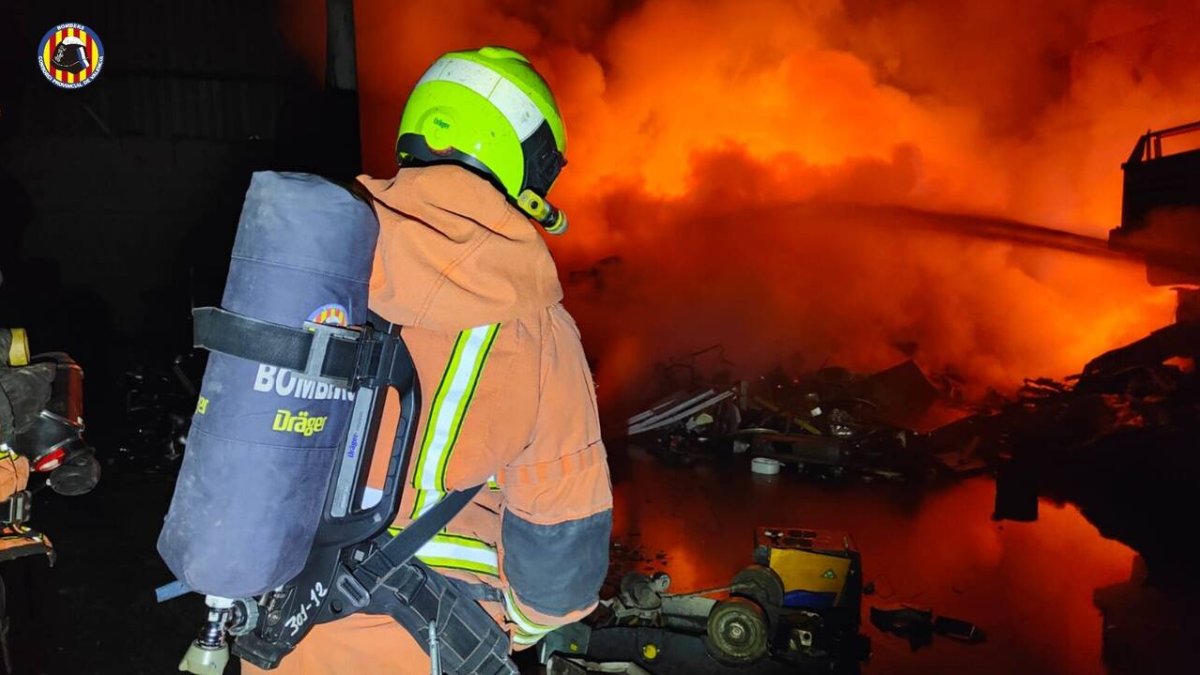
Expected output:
{"points": [[795, 611], [919, 625]]}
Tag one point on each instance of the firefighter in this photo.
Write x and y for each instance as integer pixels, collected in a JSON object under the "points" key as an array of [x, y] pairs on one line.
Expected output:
{"points": [[24, 392], [507, 396]]}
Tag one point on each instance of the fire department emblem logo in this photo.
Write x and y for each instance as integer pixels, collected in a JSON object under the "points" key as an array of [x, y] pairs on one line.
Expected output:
{"points": [[71, 55], [330, 315]]}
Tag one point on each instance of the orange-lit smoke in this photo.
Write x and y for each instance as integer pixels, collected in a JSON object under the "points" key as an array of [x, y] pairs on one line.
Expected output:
{"points": [[736, 157]]}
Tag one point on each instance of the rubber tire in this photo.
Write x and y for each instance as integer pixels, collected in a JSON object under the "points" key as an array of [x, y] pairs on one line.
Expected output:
{"points": [[751, 642]]}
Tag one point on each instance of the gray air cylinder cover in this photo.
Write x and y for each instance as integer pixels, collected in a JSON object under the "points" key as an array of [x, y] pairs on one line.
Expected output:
{"points": [[263, 439]]}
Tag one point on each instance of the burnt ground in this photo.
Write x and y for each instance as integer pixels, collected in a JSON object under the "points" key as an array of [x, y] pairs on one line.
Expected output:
{"points": [[94, 611]]}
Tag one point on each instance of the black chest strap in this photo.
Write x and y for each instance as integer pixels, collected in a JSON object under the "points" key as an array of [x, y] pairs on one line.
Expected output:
{"points": [[421, 599]]}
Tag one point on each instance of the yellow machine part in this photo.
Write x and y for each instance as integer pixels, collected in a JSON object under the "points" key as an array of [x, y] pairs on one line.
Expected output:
{"points": [[18, 352], [813, 571]]}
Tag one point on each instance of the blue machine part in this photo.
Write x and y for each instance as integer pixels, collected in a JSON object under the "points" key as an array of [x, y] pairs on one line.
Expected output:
{"points": [[808, 600]]}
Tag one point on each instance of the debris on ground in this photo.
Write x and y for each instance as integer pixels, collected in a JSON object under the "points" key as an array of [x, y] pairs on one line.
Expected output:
{"points": [[827, 423], [918, 625], [626, 556]]}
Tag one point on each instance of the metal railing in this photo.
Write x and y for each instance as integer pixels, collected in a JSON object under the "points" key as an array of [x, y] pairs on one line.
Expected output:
{"points": [[1149, 146]]}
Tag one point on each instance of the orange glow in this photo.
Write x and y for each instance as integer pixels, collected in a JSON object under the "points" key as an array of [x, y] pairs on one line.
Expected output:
{"points": [[719, 149]]}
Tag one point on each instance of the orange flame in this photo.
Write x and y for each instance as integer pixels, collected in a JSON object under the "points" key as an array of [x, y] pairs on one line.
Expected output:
{"points": [[732, 154]]}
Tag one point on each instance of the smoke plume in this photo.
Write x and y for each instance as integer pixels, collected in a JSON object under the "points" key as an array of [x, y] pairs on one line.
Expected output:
{"points": [[802, 181]]}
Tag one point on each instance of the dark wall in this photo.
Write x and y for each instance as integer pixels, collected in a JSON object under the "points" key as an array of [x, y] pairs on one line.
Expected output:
{"points": [[119, 200]]}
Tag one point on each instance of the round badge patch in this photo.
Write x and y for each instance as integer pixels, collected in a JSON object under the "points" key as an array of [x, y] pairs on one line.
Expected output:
{"points": [[70, 55], [331, 315]]}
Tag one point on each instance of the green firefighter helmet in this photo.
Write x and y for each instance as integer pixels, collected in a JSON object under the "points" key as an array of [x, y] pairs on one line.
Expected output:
{"points": [[489, 110]]}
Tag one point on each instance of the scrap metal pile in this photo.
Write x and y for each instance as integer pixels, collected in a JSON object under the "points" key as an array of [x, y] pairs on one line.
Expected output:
{"points": [[829, 423], [897, 424], [1148, 384]]}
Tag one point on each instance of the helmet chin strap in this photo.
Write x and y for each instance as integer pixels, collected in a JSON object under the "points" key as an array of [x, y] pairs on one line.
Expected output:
{"points": [[546, 215]]}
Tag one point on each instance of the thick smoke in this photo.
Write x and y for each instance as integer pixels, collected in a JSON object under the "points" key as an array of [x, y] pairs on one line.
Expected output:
{"points": [[735, 165]]}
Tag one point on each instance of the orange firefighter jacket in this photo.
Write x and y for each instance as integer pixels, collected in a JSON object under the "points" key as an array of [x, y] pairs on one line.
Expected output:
{"points": [[507, 399]]}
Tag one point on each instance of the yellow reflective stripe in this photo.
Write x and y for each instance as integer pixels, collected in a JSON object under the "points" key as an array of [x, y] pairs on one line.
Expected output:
{"points": [[492, 484], [425, 501], [451, 538], [435, 409], [459, 552], [448, 411], [524, 624], [527, 639], [462, 540], [488, 336], [459, 564], [463, 553]]}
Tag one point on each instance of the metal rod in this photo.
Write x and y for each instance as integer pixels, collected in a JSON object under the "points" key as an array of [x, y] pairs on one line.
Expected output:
{"points": [[435, 658]]}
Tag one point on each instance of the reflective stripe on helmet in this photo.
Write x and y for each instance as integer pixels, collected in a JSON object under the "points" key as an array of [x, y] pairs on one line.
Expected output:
{"points": [[516, 106]]}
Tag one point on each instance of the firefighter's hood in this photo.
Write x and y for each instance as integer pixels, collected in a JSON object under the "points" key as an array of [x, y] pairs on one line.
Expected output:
{"points": [[453, 253]]}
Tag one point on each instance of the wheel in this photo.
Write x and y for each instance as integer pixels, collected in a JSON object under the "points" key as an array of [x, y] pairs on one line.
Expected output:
{"points": [[737, 632], [761, 584]]}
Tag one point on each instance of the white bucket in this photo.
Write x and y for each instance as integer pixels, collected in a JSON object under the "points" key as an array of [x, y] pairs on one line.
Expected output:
{"points": [[765, 466]]}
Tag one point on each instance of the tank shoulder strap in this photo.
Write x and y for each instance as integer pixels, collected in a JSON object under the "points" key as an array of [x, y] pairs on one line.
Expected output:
{"points": [[317, 351]]}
